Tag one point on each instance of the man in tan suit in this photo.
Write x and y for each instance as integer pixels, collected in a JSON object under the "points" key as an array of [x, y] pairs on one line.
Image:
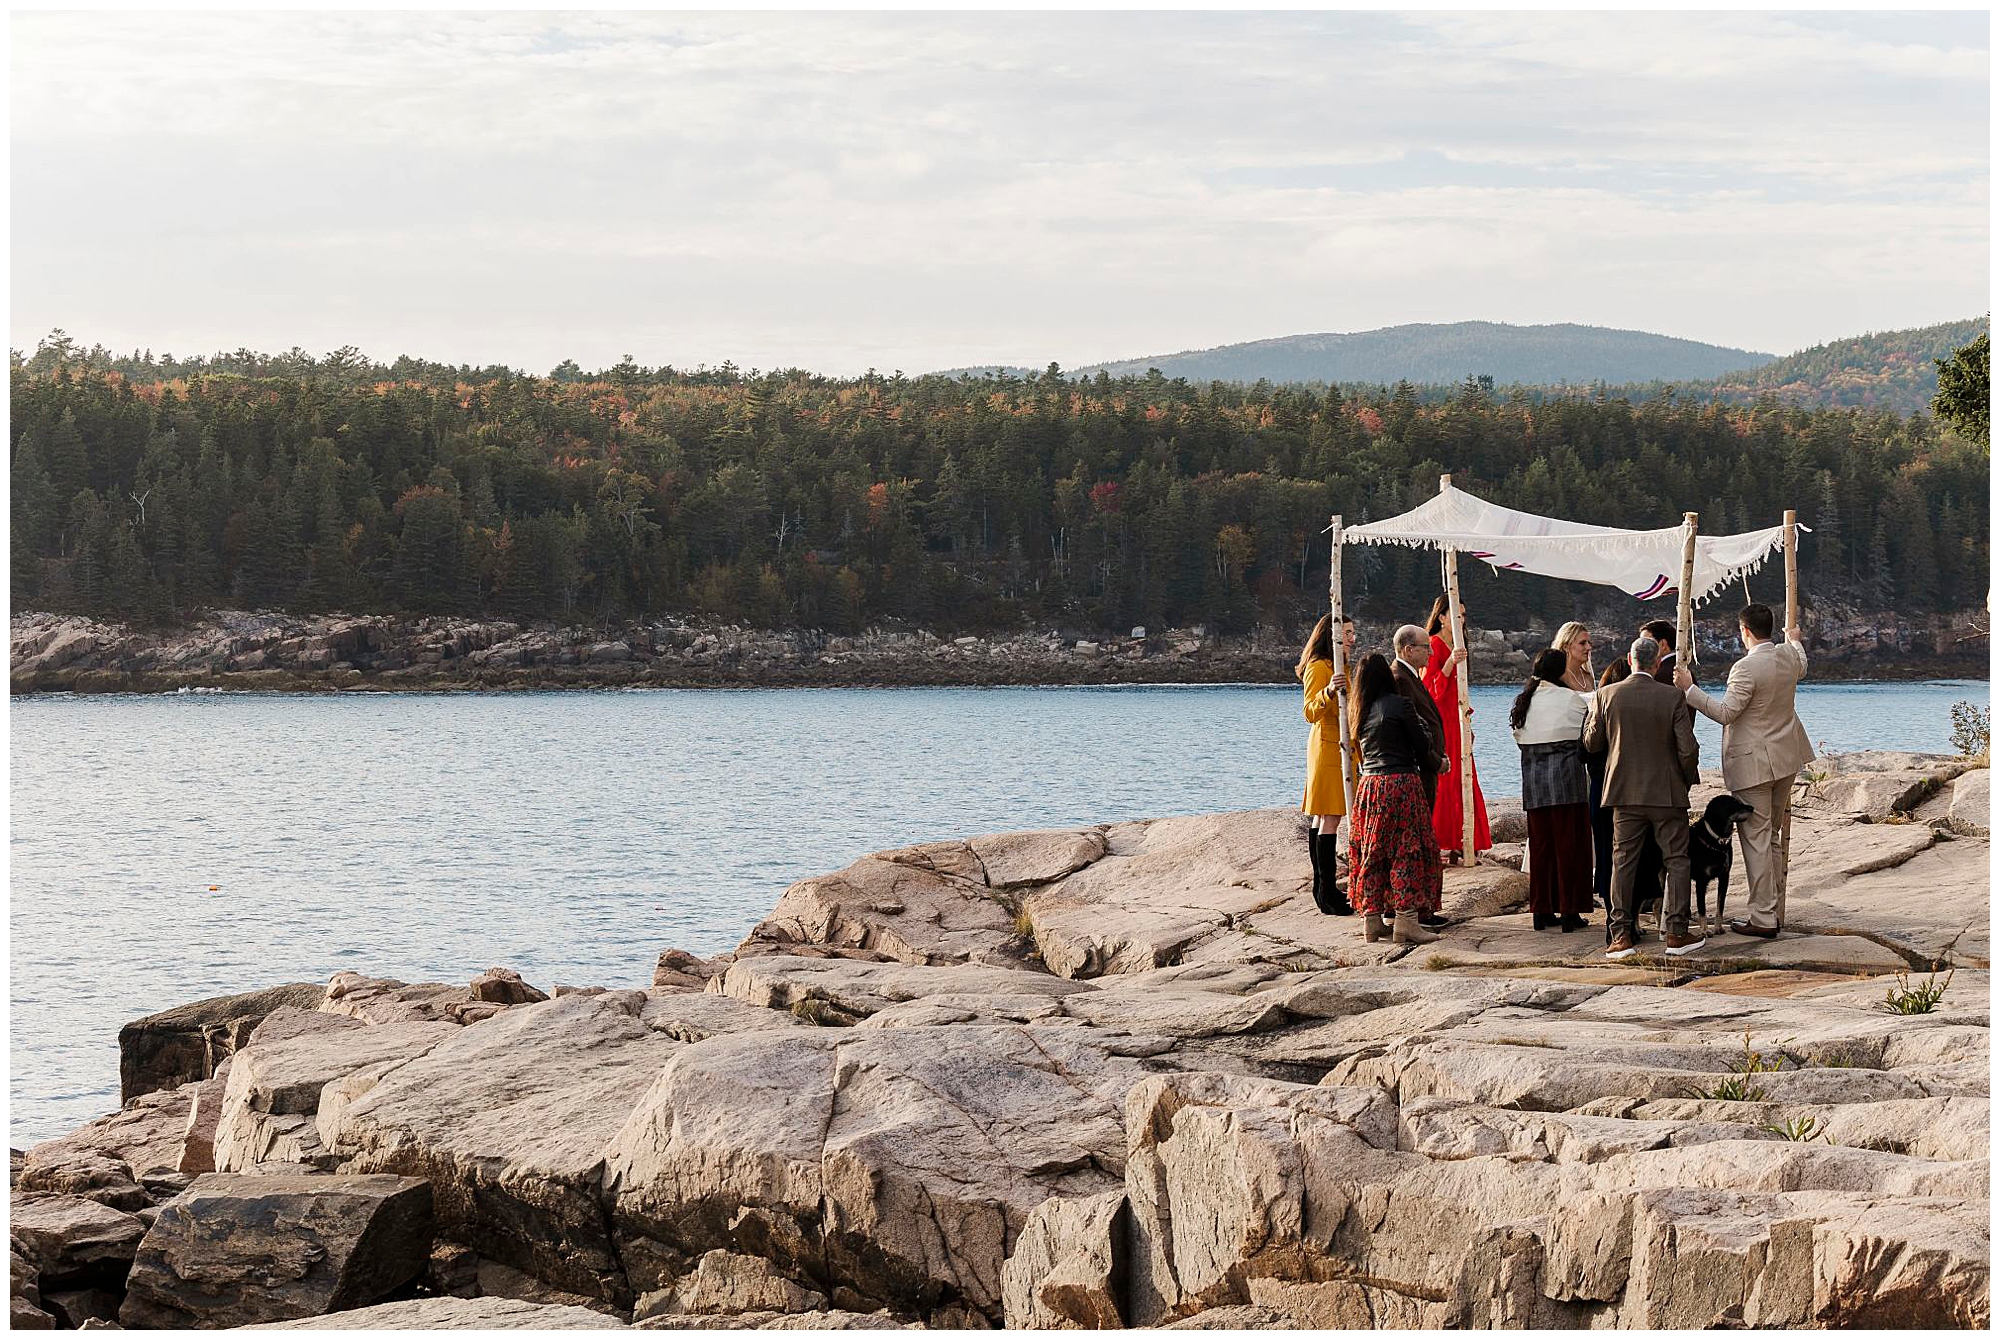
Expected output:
{"points": [[1649, 732], [1763, 747]]}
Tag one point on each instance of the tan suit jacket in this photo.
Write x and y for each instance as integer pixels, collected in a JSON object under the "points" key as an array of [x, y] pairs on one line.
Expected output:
{"points": [[1649, 732], [1762, 738]]}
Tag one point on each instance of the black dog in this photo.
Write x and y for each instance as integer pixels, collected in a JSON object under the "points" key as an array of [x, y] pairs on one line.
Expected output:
{"points": [[1712, 851], [1711, 856]]}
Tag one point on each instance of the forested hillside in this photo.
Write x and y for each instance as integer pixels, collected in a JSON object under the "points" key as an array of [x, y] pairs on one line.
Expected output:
{"points": [[1892, 370], [152, 489], [1448, 354]]}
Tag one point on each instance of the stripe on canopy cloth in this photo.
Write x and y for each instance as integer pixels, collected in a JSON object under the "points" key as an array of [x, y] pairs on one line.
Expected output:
{"points": [[1643, 563]]}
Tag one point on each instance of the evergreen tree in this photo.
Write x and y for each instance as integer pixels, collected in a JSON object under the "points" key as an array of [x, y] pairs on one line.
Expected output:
{"points": [[126, 589], [428, 552], [1828, 560], [264, 574], [34, 497], [1913, 554], [68, 460]]}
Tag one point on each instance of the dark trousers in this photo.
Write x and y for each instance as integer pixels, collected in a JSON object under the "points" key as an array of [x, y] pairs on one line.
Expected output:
{"points": [[1558, 860], [1600, 837], [1666, 825]]}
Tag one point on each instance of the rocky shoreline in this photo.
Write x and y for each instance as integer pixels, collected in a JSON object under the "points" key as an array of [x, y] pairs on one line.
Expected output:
{"points": [[241, 651], [1116, 1076]]}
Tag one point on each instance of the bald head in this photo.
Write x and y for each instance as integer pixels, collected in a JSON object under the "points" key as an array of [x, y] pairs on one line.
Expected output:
{"points": [[1412, 644]]}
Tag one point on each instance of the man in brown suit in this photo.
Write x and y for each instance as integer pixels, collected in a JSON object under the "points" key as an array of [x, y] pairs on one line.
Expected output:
{"points": [[1763, 747], [1648, 729]]}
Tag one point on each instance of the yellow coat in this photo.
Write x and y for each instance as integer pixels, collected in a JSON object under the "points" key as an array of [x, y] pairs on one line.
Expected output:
{"points": [[1326, 787]]}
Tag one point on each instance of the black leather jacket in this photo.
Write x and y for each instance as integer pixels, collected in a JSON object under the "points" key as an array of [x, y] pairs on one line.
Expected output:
{"points": [[1393, 740]]}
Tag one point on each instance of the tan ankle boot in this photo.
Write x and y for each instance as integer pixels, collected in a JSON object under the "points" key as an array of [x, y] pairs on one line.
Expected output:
{"points": [[1408, 932], [1372, 928]]}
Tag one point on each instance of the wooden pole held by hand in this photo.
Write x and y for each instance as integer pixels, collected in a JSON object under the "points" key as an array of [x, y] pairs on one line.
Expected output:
{"points": [[1338, 630], [1684, 632], [1463, 763]]}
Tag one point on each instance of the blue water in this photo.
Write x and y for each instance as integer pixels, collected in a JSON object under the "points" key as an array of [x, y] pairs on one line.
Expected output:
{"points": [[572, 836]]}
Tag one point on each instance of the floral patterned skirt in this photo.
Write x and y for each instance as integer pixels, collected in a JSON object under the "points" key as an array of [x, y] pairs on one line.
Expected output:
{"points": [[1393, 861]]}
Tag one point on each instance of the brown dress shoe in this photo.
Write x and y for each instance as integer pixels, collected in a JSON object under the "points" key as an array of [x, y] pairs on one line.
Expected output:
{"points": [[1761, 932], [1622, 946]]}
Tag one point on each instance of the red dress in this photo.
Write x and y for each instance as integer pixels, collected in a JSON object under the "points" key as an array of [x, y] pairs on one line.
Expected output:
{"points": [[1448, 811]]}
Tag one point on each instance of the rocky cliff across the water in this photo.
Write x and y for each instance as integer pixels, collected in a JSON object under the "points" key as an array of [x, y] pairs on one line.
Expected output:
{"points": [[1112, 1077], [247, 651]]}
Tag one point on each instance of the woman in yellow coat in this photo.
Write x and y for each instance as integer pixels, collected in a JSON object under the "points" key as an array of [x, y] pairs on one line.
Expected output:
{"points": [[1326, 785]]}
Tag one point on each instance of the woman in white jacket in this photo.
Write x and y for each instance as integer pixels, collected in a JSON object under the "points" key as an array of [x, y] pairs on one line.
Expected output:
{"points": [[1548, 725]]}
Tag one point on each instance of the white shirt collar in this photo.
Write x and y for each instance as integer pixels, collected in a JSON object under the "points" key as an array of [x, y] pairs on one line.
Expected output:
{"points": [[1411, 668]]}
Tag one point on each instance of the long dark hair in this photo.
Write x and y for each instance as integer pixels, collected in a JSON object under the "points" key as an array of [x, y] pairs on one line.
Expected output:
{"points": [[1373, 682], [1619, 670], [1319, 646], [1551, 666], [1440, 615]]}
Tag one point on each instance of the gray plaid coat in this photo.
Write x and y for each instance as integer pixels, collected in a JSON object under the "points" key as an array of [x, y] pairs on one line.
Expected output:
{"points": [[1552, 774]]}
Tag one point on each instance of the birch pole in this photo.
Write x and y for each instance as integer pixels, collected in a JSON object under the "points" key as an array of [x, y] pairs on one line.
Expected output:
{"points": [[1791, 622], [1335, 599], [1467, 854], [1684, 633], [1791, 571]]}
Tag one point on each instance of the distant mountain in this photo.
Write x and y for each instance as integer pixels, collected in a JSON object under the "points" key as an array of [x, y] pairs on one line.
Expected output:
{"points": [[1543, 355], [1893, 370]]}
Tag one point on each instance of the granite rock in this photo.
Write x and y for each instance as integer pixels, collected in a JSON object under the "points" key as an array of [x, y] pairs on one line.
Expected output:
{"points": [[243, 1249]]}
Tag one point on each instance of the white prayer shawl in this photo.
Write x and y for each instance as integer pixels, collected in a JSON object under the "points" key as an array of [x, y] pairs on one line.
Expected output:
{"points": [[1642, 563]]}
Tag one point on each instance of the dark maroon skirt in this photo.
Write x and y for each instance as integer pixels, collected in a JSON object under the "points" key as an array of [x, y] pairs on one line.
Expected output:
{"points": [[1559, 860]]}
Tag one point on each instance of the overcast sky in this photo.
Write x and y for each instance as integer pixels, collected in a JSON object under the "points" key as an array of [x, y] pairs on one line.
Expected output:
{"points": [[924, 191]]}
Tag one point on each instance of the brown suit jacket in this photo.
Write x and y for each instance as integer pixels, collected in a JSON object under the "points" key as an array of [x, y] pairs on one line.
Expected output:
{"points": [[1426, 706], [1648, 729]]}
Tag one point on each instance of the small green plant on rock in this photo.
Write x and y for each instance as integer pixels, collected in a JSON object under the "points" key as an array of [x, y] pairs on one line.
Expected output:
{"points": [[1753, 1062], [1737, 1088], [1730, 1089], [1923, 998], [1798, 1129]]}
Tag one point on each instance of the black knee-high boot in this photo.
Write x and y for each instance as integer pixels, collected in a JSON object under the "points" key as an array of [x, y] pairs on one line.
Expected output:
{"points": [[1312, 850], [1327, 894]]}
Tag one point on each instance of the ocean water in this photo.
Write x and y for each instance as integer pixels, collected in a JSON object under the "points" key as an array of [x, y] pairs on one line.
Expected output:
{"points": [[169, 848]]}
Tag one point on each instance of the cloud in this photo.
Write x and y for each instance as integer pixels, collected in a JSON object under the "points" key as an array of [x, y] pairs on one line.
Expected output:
{"points": [[922, 190]]}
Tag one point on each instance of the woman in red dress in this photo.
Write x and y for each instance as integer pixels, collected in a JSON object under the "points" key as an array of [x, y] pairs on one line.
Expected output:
{"points": [[1441, 678]]}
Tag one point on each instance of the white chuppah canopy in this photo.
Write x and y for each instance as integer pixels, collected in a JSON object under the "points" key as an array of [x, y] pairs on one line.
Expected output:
{"points": [[1641, 563], [1647, 564]]}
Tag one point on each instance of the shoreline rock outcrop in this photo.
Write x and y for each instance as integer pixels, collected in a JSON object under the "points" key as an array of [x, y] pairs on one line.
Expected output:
{"points": [[233, 650], [1109, 1077]]}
